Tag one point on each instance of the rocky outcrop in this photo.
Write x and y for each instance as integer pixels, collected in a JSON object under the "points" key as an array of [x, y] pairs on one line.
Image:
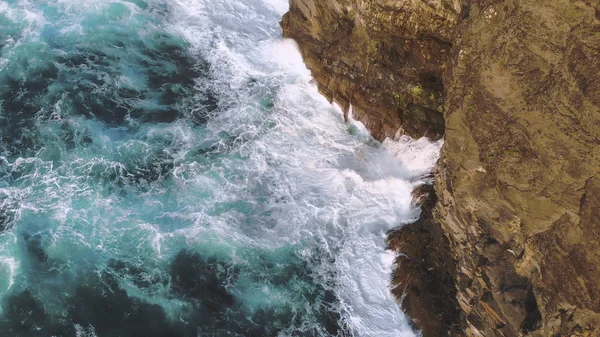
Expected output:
{"points": [[384, 58], [424, 278], [514, 237], [519, 175]]}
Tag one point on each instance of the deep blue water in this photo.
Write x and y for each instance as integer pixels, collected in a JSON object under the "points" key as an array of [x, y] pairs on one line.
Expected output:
{"points": [[167, 168]]}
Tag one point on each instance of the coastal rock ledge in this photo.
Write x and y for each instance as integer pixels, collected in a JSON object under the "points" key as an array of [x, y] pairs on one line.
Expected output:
{"points": [[509, 243]]}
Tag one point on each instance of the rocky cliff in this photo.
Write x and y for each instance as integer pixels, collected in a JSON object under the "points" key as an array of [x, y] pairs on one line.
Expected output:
{"points": [[379, 58], [509, 245]]}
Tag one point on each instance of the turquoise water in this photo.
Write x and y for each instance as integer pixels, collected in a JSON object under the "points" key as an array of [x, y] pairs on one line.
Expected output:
{"points": [[167, 168]]}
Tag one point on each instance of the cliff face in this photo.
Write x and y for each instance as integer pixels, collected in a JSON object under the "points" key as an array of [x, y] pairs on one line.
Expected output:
{"points": [[385, 58], [511, 247], [519, 177]]}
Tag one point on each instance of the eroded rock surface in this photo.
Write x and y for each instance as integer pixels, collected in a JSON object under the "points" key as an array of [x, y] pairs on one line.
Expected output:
{"points": [[424, 278], [519, 173], [385, 58], [515, 232]]}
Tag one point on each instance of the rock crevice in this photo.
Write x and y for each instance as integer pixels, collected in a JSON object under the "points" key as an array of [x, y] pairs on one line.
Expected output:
{"points": [[379, 58]]}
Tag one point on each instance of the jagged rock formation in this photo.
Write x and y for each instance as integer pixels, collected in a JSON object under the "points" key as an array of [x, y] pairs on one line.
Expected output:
{"points": [[379, 57], [514, 238], [425, 274], [519, 178]]}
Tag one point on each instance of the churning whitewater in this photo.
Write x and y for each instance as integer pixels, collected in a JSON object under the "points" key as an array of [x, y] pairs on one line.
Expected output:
{"points": [[167, 168]]}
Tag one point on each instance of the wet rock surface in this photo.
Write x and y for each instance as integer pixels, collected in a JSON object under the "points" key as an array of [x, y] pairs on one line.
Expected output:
{"points": [[424, 279]]}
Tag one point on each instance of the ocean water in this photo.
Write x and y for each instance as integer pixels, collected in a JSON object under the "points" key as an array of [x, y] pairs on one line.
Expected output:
{"points": [[168, 168]]}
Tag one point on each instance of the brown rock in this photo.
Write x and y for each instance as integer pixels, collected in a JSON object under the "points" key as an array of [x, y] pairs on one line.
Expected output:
{"points": [[516, 241], [385, 58], [425, 274], [520, 161]]}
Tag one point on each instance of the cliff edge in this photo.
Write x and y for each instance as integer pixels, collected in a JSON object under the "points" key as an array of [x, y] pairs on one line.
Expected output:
{"points": [[378, 58], [509, 244]]}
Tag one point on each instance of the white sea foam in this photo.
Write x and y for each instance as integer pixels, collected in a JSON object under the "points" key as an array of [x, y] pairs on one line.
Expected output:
{"points": [[8, 270], [289, 173], [339, 191]]}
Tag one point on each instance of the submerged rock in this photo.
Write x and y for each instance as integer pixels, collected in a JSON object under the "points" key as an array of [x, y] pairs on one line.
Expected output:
{"points": [[24, 315], [202, 280], [5, 218], [105, 306], [35, 247]]}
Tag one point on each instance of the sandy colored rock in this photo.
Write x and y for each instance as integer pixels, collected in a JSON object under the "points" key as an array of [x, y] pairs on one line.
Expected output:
{"points": [[517, 220], [384, 58], [519, 165]]}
